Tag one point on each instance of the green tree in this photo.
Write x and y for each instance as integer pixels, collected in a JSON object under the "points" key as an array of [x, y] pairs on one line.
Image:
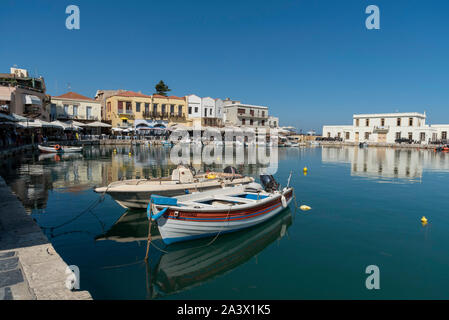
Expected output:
{"points": [[162, 88]]}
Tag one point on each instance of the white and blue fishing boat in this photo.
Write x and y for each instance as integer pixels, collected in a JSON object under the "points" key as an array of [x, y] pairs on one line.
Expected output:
{"points": [[210, 213]]}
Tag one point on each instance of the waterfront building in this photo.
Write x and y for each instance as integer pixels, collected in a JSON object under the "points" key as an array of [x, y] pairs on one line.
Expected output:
{"points": [[204, 111], [171, 109], [273, 122], [102, 95], [23, 95], [74, 106], [245, 115], [128, 109], [387, 128], [124, 107]]}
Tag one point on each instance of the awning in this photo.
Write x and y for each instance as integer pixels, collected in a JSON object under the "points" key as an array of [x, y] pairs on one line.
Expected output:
{"points": [[30, 99], [5, 97], [98, 124], [123, 118]]}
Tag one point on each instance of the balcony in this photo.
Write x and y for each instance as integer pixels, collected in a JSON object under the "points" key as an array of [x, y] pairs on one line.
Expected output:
{"points": [[381, 129], [252, 115], [127, 114]]}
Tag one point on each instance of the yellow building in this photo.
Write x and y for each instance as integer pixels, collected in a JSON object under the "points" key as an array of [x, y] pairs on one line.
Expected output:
{"points": [[123, 109], [171, 109]]}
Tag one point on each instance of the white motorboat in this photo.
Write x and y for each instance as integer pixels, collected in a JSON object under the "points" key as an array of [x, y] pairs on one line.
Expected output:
{"points": [[136, 193], [206, 214]]}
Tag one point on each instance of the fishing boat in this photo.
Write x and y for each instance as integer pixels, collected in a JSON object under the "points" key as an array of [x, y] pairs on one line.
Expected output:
{"points": [[136, 193], [210, 213], [58, 149]]}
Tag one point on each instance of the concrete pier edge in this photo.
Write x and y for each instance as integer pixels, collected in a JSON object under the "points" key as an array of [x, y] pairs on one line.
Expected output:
{"points": [[30, 267]]}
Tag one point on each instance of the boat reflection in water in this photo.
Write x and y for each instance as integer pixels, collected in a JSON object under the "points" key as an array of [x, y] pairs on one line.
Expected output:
{"points": [[180, 266]]}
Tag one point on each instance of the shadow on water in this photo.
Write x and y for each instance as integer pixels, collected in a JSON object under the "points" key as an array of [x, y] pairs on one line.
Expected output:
{"points": [[181, 266]]}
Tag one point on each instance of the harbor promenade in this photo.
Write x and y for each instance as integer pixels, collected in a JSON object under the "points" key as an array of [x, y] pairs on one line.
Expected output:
{"points": [[30, 268]]}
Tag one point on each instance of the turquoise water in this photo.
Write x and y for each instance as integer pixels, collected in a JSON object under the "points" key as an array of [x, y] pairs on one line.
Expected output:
{"points": [[366, 210]]}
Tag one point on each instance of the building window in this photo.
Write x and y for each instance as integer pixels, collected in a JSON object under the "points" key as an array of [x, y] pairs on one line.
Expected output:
{"points": [[251, 112], [172, 109], [398, 122], [196, 109], [398, 135], [357, 122], [154, 107], [241, 111], [367, 122], [328, 134], [434, 137], [66, 109], [243, 121], [180, 111], [129, 107], [347, 135], [251, 122], [444, 135], [210, 111], [89, 112], [382, 122], [410, 122], [147, 108], [366, 135], [422, 136], [163, 108], [190, 110], [120, 107], [108, 107], [137, 106], [339, 135], [205, 112], [263, 122], [75, 111], [410, 136], [263, 113]]}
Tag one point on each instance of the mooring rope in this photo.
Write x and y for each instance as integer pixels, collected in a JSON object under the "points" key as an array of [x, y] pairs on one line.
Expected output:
{"points": [[88, 209]]}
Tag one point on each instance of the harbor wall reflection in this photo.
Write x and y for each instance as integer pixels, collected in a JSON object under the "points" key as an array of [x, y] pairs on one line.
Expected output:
{"points": [[387, 163]]}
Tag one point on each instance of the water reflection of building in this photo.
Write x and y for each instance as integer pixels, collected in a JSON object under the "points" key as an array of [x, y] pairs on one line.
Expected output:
{"points": [[387, 162], [32, 178]]}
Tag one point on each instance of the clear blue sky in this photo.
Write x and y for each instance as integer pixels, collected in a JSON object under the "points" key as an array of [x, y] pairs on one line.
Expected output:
{"points": [[312, 62]]}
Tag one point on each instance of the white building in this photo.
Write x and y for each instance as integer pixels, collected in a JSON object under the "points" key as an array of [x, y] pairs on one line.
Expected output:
{"points": [[72, 105], [245, 115], [387, 128], [204, 111], [273, 122]]}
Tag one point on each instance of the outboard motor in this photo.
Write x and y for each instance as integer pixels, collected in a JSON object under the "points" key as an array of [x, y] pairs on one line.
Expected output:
{"points": [[268, 182], [230, 169]]}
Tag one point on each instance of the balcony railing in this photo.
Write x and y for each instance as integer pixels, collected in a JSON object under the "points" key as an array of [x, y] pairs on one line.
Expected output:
{"points": [[249, 115]]}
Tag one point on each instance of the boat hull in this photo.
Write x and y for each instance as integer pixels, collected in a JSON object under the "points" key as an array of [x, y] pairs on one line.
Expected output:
{"points": [[175, 226]]}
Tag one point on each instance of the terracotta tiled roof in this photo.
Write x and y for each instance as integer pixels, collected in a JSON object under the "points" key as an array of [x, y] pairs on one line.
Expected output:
{"points": [[74, 96], [132, 94], [169, 97]]}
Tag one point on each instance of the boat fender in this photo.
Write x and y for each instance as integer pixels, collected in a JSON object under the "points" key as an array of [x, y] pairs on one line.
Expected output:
{"points": [[304, 207], [284, 202], [57, 147]]}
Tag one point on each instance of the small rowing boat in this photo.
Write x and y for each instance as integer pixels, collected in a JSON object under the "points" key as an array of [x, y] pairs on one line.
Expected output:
{"points": [[58, 149], [209, 213]]}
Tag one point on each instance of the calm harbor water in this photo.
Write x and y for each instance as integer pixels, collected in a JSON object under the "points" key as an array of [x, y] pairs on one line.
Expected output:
{"points": [[366, 209]]}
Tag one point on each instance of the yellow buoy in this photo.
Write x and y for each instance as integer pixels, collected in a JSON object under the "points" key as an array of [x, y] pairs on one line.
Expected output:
{"points": [[305, 169], [304, 207], [130, 154], [424, 220], [115, 150]]}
